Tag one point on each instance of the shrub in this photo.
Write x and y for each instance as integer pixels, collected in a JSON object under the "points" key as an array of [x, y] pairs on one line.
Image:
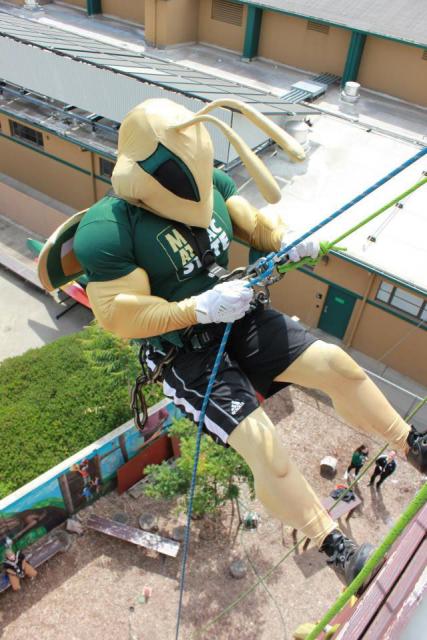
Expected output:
{"points": [[219, 473], [60, 398]]}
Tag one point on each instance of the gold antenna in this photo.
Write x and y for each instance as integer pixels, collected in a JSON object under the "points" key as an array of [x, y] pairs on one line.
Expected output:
{"points": [[270, 128], [265, 182], [256, 168]]}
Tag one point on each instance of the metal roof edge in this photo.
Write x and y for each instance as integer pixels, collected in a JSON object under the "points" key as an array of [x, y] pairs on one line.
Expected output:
{"points": [[379, 272], [339, 25], [76, 141]]}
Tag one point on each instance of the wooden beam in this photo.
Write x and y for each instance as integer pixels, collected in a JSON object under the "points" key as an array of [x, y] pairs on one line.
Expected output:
{"points": [[135, 536]]}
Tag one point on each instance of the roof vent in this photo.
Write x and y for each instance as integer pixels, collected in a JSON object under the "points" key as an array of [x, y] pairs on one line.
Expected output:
{"points": [[226, 11], [318, 26], [350, 93]]}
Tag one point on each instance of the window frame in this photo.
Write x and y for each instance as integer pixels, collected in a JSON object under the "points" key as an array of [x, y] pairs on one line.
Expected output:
{"points": [[36, 141], [101, 164], [392, 294]]}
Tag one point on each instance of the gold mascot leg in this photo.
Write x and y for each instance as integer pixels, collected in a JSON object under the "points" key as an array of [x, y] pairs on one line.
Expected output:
{"points": [[279, 485], [355, 397]]}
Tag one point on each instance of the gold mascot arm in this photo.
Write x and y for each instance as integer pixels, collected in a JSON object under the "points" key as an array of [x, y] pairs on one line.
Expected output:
{"points": [[259, 230], [126, 307]]}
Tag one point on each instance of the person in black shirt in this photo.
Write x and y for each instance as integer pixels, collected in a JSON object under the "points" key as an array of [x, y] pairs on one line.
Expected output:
{"points": [[385, 465]]}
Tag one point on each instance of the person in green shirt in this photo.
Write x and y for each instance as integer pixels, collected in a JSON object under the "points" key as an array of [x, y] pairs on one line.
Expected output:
{"points": [[358, 459]]}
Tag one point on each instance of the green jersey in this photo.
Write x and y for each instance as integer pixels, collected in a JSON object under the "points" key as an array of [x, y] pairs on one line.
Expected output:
{"points": [[115, 237], [358, 459]]}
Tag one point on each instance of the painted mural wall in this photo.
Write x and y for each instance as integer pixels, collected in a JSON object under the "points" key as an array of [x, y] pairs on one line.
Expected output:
{"points": [[33, 510]]}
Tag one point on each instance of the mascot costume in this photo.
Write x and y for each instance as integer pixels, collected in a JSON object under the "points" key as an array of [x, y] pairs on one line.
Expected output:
{"points": [[155, 252]]}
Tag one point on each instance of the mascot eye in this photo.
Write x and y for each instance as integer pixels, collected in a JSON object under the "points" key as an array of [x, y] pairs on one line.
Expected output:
{"points": [[172, 173]]}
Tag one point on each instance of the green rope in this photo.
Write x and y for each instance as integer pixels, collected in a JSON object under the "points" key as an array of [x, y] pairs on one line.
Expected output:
{"points": [[409, 513], [325, 247], [263, 583], [416, 409]]}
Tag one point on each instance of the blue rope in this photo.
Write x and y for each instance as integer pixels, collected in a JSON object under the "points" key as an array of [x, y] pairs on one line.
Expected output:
{"points": [[268, 266], [211, 382]]}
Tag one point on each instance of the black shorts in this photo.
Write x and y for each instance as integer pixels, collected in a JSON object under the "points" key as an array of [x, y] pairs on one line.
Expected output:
{"points": [[261, 345]]}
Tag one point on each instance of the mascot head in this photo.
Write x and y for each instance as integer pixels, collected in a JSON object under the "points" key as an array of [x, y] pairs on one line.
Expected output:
{"points": [[165, 158]]}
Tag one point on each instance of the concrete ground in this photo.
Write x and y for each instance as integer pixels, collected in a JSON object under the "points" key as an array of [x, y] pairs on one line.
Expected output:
{"points": [[28, 317]]}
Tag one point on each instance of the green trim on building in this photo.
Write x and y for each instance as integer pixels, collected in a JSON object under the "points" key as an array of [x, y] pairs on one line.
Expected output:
{"points": [[53, 157], [392, 312], [252, 33], [314, 275], [93, 7], [419, 45], [354, 56]]}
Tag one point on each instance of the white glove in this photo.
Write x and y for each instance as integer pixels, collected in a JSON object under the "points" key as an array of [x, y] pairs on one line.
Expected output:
{"points": [[226, 302], [309, 247]]}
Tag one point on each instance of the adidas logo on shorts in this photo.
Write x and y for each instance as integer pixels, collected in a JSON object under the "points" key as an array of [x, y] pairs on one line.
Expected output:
{"points": [[236, 406]]}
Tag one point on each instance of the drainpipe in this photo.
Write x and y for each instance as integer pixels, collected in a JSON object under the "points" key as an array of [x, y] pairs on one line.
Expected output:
{"points": [[93, 7], [252, 33], [92, 175], [348, 341], [354, 56]]}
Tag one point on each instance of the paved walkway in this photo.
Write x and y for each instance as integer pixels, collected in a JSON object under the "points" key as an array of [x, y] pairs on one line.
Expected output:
{"points": [[28, 317]]}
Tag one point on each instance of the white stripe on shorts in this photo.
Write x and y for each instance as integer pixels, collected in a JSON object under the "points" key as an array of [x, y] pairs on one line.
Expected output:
{"points": [[217, 406], [210, 424]]}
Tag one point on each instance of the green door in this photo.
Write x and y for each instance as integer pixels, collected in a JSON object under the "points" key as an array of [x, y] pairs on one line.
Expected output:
{"points": [[337, 311]]}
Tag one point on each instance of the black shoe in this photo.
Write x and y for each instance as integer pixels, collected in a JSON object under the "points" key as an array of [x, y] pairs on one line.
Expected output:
{"points": [[417, 455], [345, 555]]}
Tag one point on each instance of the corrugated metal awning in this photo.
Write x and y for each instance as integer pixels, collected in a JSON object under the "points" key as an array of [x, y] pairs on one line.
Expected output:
{"points": [[167, 75], [104, 79]]}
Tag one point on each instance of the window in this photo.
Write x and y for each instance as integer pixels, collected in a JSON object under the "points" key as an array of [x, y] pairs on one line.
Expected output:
{"points": [[424, 54], [226, 11], [403, 300], [25, 133], [106, 167], [318, 26]]}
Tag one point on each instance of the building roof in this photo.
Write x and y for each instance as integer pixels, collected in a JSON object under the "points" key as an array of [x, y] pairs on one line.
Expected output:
{"points": [[146, 69], [397, 19]]}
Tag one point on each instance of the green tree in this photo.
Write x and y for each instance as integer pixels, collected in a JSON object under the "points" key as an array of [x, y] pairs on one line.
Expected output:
{"points": [[219, 475]]}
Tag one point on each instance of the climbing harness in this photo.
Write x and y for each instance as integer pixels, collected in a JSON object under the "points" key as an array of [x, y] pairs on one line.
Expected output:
{"points": [[266, 267], [153, 362]]}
